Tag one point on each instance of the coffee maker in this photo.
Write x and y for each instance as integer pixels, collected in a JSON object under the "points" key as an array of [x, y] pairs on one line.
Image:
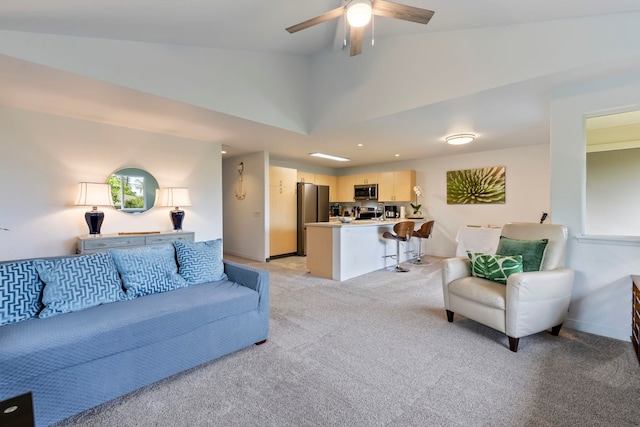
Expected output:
{"points": [[391, 211], [336, 209]]}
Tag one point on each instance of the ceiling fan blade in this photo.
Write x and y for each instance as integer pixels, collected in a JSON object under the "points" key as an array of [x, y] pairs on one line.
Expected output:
{"points": [[335, 13], [356, 35], [390, 9]]}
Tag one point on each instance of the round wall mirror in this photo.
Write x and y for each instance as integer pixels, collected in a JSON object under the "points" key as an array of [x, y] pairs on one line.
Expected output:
{"points": [[133, 190]]}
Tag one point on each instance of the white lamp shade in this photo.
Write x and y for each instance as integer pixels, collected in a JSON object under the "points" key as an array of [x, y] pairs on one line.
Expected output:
{"points": [[94, 194], [359, 13], [174, 196]]}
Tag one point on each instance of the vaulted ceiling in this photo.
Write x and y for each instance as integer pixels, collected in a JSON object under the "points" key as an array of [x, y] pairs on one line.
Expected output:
{"points": [[227, 71]]}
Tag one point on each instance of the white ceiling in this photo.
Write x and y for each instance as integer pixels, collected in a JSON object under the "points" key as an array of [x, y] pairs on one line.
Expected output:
{"points": [[508, 116]]}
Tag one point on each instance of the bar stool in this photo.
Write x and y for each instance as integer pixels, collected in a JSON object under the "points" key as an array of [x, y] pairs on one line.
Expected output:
{"points": [[403, 230], [424, 232]]}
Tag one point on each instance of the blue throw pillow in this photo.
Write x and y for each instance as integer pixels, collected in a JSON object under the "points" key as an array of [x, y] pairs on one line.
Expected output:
{"points": [[148, 270], [20, 292], [200, 262], [76, 283]]}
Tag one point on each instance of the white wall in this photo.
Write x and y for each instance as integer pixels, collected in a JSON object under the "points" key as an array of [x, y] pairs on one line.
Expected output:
{"points": [[601, 300], [246, 221], [527, 188], [43, 157]]}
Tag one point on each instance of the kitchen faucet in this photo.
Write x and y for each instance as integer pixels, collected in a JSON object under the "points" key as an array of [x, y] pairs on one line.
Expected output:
{"points": [[375, 212]]}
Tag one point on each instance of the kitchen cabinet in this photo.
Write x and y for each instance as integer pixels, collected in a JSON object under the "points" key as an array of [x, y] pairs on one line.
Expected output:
{"points": [[396, 186], [332, 183], [279, 176], [345, 188], [282, 211], [307, 177], [367, 178]]}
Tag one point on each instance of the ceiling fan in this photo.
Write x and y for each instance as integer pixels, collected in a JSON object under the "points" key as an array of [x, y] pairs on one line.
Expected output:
{"points": [[358, 15]]}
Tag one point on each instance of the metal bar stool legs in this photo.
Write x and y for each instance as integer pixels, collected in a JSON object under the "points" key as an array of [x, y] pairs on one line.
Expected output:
{"points": [[403, 232], [423, 233]]}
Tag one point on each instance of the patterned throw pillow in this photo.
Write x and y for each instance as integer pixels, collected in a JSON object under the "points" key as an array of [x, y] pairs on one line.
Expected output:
{"points": [[76, 283], [532, 251], [148, 270], [20, 292], [200, 262], [494, 267]]}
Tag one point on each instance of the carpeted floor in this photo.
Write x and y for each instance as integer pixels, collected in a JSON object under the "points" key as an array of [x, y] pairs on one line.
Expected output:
{"points": [[377, 350]]}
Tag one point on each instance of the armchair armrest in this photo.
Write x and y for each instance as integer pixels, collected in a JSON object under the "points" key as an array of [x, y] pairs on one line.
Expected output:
{"points": [[455, 268], [537, 300], [452, 269]]}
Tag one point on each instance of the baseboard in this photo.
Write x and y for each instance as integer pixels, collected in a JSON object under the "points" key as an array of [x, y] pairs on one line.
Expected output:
{"points": [[618, 334]]}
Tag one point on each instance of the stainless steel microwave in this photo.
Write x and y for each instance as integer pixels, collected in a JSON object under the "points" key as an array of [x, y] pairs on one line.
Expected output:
{"points": [[365, 192]]}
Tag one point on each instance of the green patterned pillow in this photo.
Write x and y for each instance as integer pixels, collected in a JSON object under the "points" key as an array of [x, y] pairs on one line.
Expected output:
{"points": [[494, 267]]}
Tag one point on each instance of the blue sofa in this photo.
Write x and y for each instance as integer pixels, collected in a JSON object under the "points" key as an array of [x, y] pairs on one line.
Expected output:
{"points": [[77, 360]]}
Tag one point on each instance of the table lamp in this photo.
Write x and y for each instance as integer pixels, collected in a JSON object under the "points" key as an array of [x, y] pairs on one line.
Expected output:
{"points": [[174, 196], [94, 194]]}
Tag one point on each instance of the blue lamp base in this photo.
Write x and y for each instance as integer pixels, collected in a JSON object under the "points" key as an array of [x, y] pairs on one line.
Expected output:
{"points": [[177, 215], [94, 220]]}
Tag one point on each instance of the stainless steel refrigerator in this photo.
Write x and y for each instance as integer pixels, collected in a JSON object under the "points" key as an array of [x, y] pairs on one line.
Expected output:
{"points": [[313, 206]]}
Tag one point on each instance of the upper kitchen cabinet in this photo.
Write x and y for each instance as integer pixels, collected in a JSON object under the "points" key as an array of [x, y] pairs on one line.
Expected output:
{"points": [[367, 178], [308, 177], [332, 183], [396, 186], [282, 177], [345, 188]]}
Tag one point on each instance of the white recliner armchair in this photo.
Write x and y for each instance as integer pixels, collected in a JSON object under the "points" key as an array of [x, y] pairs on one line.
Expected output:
{"points": [[530, 302]]}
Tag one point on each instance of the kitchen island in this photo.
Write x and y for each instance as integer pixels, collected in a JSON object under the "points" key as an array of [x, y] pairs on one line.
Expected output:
{"points": [[341, 251]]}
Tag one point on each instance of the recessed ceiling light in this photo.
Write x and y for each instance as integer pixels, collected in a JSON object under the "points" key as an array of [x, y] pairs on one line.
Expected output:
{"points": [[397, 155], [459, 139], [330, 157], [223, 152], [360, 145]]}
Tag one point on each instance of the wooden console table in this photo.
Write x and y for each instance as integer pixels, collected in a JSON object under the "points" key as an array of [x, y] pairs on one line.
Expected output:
{"points": [[101, 242], [635, 315]]}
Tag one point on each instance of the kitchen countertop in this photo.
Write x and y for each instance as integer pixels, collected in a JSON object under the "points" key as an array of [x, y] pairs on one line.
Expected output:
{"points": [[362, 222]]}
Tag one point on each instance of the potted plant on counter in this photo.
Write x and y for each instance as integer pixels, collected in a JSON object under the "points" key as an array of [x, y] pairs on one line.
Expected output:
{"points": [[416, 207]]}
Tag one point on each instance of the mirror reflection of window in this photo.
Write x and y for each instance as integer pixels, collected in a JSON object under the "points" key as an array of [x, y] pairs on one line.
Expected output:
{"points": [[133, 190], [613, 174]]}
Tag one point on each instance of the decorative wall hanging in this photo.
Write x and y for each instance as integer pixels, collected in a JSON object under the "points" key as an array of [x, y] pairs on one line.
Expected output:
{"points": [[240, 194], [476, 186]]}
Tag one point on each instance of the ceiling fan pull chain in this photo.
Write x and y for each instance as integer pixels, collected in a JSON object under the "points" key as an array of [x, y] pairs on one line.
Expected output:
{"points": [[372, 29], [344, 28]]}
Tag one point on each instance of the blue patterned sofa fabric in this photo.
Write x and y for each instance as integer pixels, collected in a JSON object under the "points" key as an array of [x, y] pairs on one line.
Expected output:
{"points": [[74, 362], [77, 283], [118, 327], [200, 262], [20, 291], [148, 270]]}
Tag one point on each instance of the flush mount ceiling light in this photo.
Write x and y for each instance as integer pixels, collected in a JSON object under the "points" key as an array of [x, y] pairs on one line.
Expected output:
{"points": [[330, 157], [359, 13], [459, 139]]}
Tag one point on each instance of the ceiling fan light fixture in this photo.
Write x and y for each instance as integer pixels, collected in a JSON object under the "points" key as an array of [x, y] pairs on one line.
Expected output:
{"points": [[330, 157], [460, 138], [359, 13]]}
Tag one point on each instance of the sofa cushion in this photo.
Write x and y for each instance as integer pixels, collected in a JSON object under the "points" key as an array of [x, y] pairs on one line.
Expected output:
{"points": [[20, 291], [200, 262], [483, 291], [77, 283], [148, 270], [532, 251], [494, 267], [44, 345]]}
